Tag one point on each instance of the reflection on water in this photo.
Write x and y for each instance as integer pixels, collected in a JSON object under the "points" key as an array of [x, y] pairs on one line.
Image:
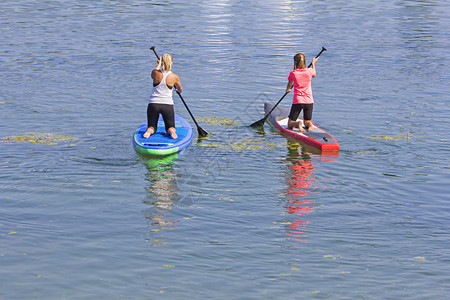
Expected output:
{"points": [[300, 183], [162, 196]]}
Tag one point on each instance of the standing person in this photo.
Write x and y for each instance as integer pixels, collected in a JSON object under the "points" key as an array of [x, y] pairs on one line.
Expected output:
{"points": [[161, 101], [300, 80]]}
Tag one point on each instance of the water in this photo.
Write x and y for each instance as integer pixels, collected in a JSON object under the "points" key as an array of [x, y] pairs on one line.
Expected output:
{"points": [[243, 214]]}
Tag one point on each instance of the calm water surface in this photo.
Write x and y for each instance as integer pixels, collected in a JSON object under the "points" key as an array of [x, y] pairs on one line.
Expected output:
{"points": [[242, 214]]}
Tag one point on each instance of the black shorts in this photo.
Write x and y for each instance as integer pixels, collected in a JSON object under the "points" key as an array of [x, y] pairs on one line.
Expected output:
{"points": [[297, 108], [166, 110]]}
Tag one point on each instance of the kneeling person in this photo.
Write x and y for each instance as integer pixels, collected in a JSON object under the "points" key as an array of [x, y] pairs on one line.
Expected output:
{"points": [[161, 101]]}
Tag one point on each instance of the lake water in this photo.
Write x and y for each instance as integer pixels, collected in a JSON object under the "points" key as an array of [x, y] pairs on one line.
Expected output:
{"points": [[244, 213]]}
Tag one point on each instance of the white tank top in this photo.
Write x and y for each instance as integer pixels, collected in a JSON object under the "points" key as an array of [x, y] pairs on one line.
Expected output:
{"points": [[161, 94]]}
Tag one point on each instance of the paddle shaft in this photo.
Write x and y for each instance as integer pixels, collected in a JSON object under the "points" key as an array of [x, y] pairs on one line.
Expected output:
{"points": [[200, 130], [189, 111], [263, 120], [276, 105]]}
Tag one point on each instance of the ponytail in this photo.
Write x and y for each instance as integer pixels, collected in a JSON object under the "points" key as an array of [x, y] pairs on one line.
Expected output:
{"points": [[299, 61], [167, 62]]}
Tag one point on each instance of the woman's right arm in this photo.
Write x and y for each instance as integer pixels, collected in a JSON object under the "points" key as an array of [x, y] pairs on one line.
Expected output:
{"points": [[289, 86], [157, 68]]}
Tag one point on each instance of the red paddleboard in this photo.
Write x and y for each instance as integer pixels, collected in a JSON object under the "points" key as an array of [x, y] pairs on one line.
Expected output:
{"points": [[318, 138]]}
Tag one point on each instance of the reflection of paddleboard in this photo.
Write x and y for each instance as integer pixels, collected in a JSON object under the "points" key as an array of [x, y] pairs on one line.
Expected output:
{"points": [[160, 143], [159, 161], [318, 138]]}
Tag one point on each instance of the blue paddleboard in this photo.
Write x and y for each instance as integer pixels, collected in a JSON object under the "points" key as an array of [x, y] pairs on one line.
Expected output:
{"points": [[160, 143]]}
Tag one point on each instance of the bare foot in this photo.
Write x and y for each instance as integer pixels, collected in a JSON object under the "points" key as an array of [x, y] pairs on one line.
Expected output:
{"points": [[148, 133], [292, 124], [301, 129], [173, 133], [309, 126]]}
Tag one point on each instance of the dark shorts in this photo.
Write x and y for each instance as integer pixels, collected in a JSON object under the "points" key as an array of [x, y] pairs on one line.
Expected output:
{"points": [[166, 110], [297, 108]]}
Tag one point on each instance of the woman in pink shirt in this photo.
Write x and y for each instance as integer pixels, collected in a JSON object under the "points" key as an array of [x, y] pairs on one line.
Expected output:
{"points": [[300, 80]]}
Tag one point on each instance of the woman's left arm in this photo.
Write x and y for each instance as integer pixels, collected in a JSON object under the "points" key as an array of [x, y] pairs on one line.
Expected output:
{"points": [[315, 59], [177, 84]]}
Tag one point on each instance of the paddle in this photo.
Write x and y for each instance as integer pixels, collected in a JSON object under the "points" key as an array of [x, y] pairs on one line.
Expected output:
{"points": [[201, 131], [261, 122]]}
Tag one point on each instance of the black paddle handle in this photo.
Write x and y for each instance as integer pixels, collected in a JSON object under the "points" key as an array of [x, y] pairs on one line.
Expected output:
{"points": [[317, 56], [154, 51]]}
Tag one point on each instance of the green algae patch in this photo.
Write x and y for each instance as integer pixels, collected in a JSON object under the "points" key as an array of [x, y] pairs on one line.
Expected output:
{"points": [[389, 137], [406, 136], [384, 137], [38, 138], [218, 121], [241, 145]]}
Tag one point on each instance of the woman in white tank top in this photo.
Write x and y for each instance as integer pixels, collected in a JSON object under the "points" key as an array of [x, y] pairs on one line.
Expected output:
{"points": [[161, 101]]}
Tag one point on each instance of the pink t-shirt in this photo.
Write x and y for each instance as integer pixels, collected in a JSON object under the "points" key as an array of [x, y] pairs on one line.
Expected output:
{"points": [[302, 85]]}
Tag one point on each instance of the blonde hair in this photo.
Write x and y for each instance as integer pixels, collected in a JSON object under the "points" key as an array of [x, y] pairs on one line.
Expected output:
{"points": [[167, 62], [299, 61]]}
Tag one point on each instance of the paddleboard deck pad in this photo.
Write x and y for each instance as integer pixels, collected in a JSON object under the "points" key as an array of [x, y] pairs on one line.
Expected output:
{"points": [[160, 143], [318, 138]]}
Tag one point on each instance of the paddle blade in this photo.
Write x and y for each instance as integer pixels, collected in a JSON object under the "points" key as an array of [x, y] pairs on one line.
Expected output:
{"points": [[202, 132], [259, 123]]}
